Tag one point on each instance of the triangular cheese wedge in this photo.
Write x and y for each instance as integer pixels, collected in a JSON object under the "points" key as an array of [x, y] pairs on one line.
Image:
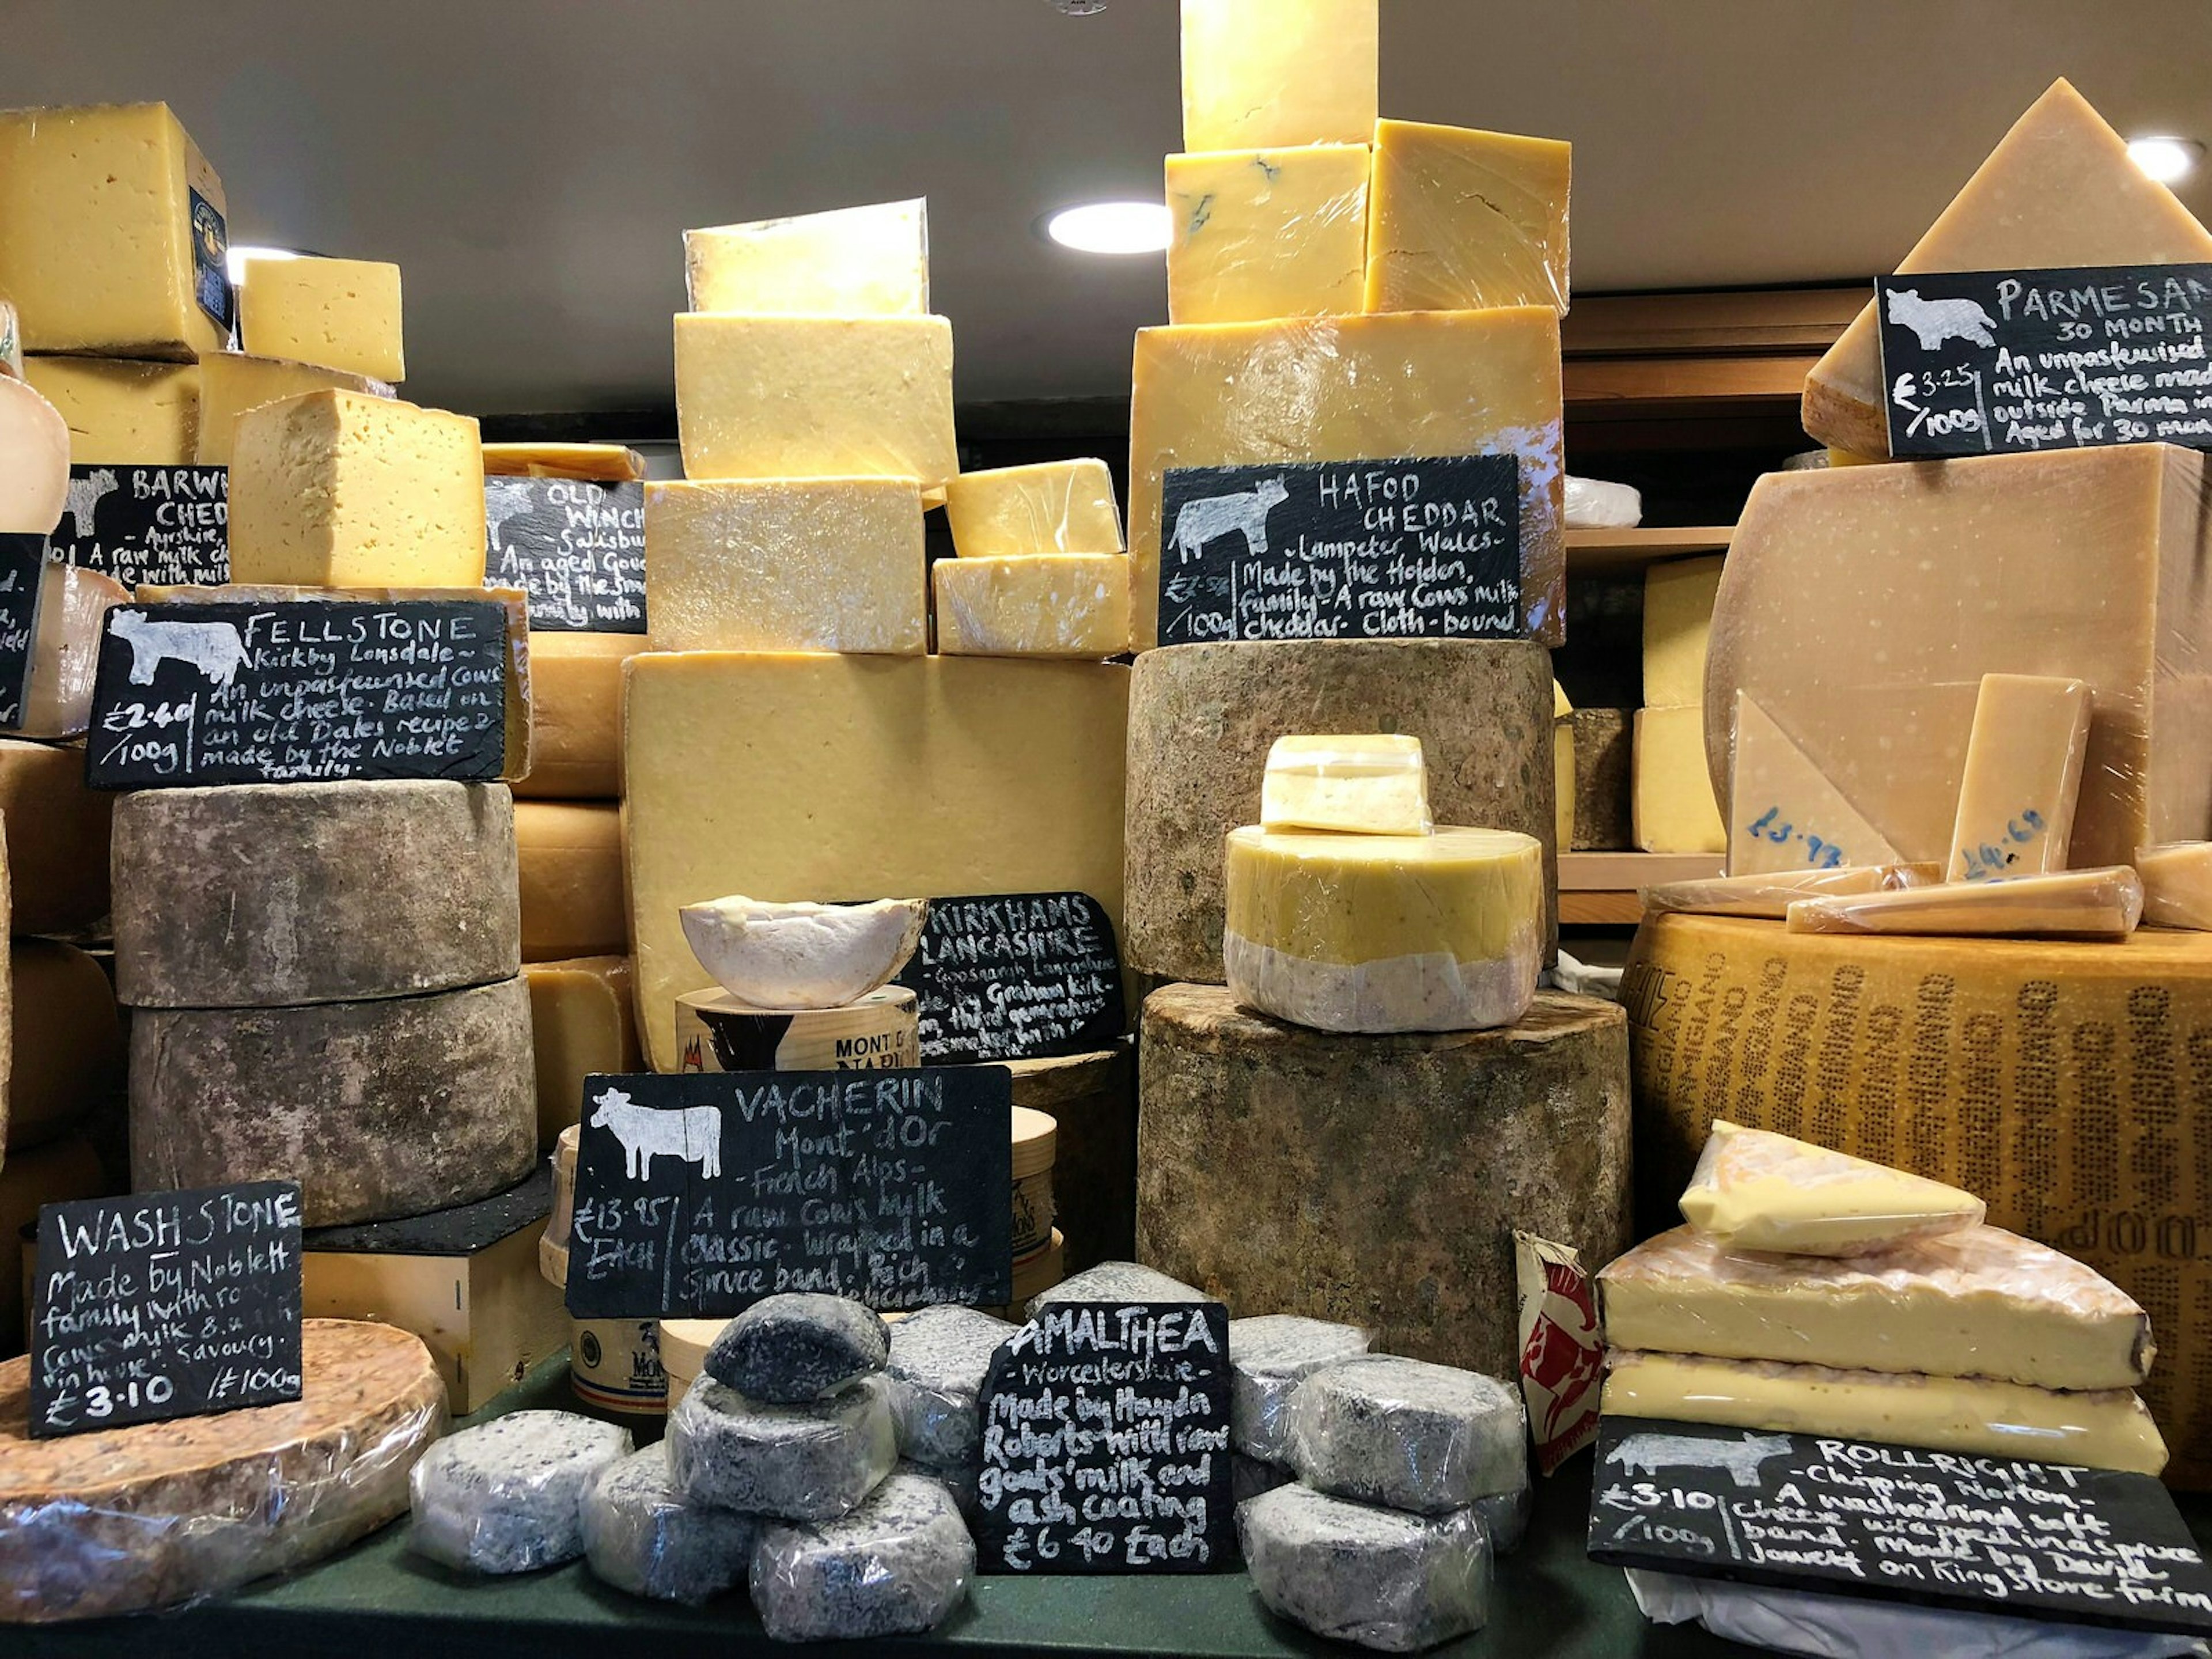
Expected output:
{"points": [[1784, 814], [799, 956], [2059, 190], [1756, 1190]]}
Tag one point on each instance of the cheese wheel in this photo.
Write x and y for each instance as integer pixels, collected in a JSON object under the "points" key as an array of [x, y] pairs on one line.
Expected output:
{"points": [[575, 699], [378, 1109], [66, 1045], [57, 833], [268, 894], [570, 869], [118, 1520]]}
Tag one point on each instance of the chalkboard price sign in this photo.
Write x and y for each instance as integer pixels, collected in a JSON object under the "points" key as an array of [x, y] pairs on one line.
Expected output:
{"points": [[1106, 1442], [166, 524], [163, 1305], [698, 1193], [575, 546], [1426, 548], [1988, 362], [308, 689], [22, 563], [1016, 977], [1982, 1534]]}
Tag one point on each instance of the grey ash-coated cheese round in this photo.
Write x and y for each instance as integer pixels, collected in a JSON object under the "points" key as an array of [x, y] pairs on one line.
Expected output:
{"points": [[812, 1461], [1394, 1582], [640, 1536], [896, 1565], [1117, 1281], [1408, 1435], [786, 1349], [508, 1496], [378, 1109], [1269, 1355], [257, 895], [941, 1360]]}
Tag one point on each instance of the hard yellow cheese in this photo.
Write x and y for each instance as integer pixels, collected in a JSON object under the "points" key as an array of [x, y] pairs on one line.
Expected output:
{"points": [[1260, 233], [1783, 816], [852, 262], [576, 691], [582, 1022], [2099, 904], [1261, 74], [231, 382], [121, 413], [1678, 618], [1061, 605], [2177, 885], [1671, 803], [1051, 507], [570, 857], [73, 606], [1757, 1190], [1771, 893], [2022, 779], [1373, 785], [603, 463], [1463, 220], [337, 314]]}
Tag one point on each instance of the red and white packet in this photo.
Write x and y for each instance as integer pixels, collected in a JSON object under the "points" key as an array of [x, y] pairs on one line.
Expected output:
{"points": [[1562, 1351]]}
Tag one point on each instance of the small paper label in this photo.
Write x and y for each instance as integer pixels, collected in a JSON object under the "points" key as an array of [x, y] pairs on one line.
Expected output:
{"points": [[211, 261]]}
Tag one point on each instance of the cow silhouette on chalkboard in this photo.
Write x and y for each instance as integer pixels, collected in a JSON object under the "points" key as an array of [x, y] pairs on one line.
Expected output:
{"points": [[694, 1134], [1934, 321], [213, 648], [1245, 512], [505, 499], [1647, 1454], [85, 495]]}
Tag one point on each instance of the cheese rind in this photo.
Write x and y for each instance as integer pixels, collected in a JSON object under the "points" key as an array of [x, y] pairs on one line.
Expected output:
{"points": [[1260, 74], [1757, 1190], [811, 397], [2022, 777], [803, 956], [1463, 220], [569, 863], [34, 461], [2177, 885], [73, 606], [1051, 507], [786, 564], [1771, 893], [1678, 619], [232, 382], [2107, 1430], [121, 413], [1671, 804], [1260, 233], [576, 691], [1376, 785], [582, 1023], [66, 1044], [2098, 904], [1061, 605], [870, 261], [1433, 933], [339, 313], [1783, 815]]}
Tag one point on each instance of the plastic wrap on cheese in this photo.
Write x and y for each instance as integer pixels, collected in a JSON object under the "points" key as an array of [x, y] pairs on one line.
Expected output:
{"points": [[1262, 233], [2094, 904], [1594, 504], [11, 342], [1772, 894], [2177, 881], [1756, 1190], [2108, 1429], [1061, 605], [1376, 933], [508, 1496], [1460, 220], [1980, 1302], [1048, 506], [1561, 1350], [72, 613], [1374, 785], [1372, 1577], [898, 1564]]}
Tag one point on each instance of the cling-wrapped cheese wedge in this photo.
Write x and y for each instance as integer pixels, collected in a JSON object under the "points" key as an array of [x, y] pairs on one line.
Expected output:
{"points": [[2177, 881], [1756, 1190], [2072, 904], [1772, 894], [1373, 785], [1050, 507], [73, 606], [803, 956]]}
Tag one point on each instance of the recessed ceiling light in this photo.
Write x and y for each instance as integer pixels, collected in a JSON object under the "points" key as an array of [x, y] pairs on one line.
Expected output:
{"points": [[241, 252], [1111, 227], [2169, 160]]}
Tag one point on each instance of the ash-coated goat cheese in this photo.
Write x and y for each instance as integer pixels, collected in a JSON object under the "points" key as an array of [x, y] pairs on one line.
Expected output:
{"points": [[899, 1564], [1413, 1436], [1394, 1582], [807, 1462], [507, 1495], [789, 1349], [640, 1534]]}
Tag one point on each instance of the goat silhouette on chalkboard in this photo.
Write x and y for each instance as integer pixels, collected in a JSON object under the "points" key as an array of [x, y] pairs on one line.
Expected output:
{"points": [[213, 648], [1244, 512], [85, 495]]}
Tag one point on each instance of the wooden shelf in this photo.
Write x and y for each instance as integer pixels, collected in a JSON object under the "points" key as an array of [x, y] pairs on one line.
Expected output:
{"points": [[1601, 888], [1591, 552]]}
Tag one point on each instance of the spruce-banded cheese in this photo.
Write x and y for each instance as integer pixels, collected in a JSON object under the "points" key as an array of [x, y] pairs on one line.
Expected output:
{"points": [[65, 1047], [1050, 507], [2090, 905], [121, 413], [575, 693], [569, 866], [1374, 785], [1268, 73], [2105, 1430], [232, 382], [1434, 933], [1756, 1190], [582, 1023], [1671, 808], [34, 461], [337, 314], [56, 833], [73, 606], [2177, 885], [2022, 777], [1268, 233], [870, 261], [716, 1032], [337, 489], [1463, 220], [786, 564], [803, 956], [1062, 604], [1784, 817]]}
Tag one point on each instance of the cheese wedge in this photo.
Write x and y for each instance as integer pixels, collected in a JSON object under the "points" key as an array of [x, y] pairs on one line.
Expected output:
{"points": [[1784, 815], [1067, 605], [1267, 233], [1376, 785], [121, 413], [2107, 1430], [870, 261], [1678, 620], [1265, 73], [1671, 804], [232, 382], [1462, 219], [1051, 507], [2073, 904], [1756, 1190], [2177, 885], [2023, 777], [73, 606], [339, 314], [34, 461], [803, 956], [599, 463], [1563, 768], [1772, 894]]}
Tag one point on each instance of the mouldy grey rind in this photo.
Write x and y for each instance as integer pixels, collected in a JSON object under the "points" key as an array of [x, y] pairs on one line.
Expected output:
{"points": [[508, 1496], [789, 1349], [640, 1536], [1117, 1281], [1268, 1356], [1394, 1582], [812, 1461], [896, 1565]]}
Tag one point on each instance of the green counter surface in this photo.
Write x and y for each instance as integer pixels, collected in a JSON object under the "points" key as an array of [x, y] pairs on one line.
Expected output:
{"points": [[378, 1601]]}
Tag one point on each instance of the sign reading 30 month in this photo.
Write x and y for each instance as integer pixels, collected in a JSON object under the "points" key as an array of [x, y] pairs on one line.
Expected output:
{"points": [[304, 690]]}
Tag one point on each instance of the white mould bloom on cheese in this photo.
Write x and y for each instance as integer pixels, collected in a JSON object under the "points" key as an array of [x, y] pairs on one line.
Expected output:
{"points": [[802, 956]]}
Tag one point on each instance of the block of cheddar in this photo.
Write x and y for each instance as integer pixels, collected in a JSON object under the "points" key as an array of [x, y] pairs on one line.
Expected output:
{"points": [[1671, 804], [2060, 189], [111, 235], [1261, 74], [1060, 605], [2084, 904], [1462, 220], [575, 687], [121, 412], [1846, 614], [1048, 506], [1757, 1190], [582, 1021], [1260, 233], [1678, 620], [34, 461], [2177, 885], [1354, 388], [571, 869], [339, 314], [870, 261], [57, 833], [231, 382]]}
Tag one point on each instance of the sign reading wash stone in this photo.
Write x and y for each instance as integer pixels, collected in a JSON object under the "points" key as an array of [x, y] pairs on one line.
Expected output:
{"points": [[576, 546], [168, 526], [1425, 548], [1016, 977]]}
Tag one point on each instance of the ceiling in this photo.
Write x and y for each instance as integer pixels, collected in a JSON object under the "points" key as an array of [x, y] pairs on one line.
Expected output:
{"points": [[532, 164]]}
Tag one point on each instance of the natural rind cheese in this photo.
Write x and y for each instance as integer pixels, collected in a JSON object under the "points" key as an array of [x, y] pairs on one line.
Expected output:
{"points": [[268, 894], [2091, 904], [337, 489], [121, 413], [582, 1023], [34, 461], [576, 716], [1061, 605], [73, 606], [600, 463], [1050, 507], [1436, 932], [1354, 388], [1757, 1190], [2022, 777], [1979, 1302], [1847, 613], [117, 1521], [1678, 619], [786, 564], [1266, 73], [2177, 885], [99, 229], [65, 1050], [811, 397], [803, 956], [1202, 718], [339, 313], [2107, 1430], [1266, 1150], [1268, 233], [1375, 785], [2054, 1080], [1462, 220], [232, 382], [1671, 805], [1772, 894], [1784, 817], [57, 833], [870, 261], [568, 856], [1603, 759], [378, 1109], [2060, 189], [843, 778]]}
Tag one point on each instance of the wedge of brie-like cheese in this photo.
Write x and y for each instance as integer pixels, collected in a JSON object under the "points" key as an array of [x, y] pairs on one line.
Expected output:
{"points": [[796, 957], [1756, 1190]]}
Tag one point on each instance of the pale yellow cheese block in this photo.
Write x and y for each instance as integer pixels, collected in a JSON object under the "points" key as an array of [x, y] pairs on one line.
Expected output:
{"points": [[1262, 74], [603, 463], [2022, 778], [582, 1021], [569, 854], [2107, 1430], [96, 231], [333, 489], [1262, 233], [339, 313], [1671, 804], [576, 692], [776, 397], [1783, 815], [2177, 885], [1462, 219], [1372, 784], [870, 261], [2094, 904], [1769, 894], [231, 382], [34, 461], [1049, 507], [1757, 1190], [1678, 617], [2060, 189], [121, 412], [843, 778], [1059, 604]]}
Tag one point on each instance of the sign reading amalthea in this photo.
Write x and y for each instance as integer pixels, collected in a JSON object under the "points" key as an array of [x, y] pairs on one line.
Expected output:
{"points": [[1989, 362]]}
